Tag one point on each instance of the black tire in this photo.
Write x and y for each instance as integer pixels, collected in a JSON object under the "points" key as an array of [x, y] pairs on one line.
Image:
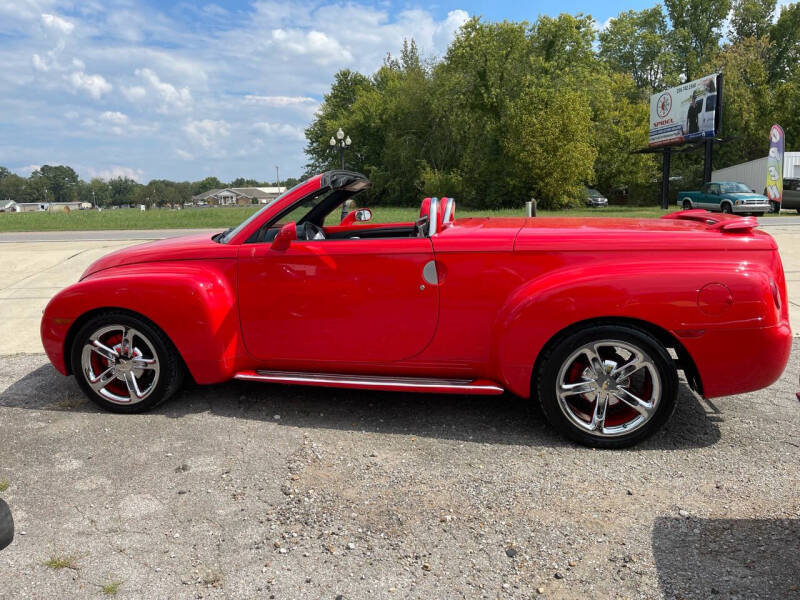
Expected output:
{"points": [[798, 211], [165, 382], [774, 208], [561, 351], [6, 525], [727, 208], [687, 204]]}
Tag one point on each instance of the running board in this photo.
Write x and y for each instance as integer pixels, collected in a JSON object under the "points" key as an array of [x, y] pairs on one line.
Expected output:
{"points": [[479, 387]]}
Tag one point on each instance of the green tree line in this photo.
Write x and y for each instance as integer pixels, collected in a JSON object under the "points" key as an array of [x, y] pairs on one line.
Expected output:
{"points": [[514, 110], [61, 183]]}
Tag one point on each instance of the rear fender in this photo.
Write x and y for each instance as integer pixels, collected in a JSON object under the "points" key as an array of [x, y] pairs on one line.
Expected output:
{"points": [[194, 304], [664, 295]]}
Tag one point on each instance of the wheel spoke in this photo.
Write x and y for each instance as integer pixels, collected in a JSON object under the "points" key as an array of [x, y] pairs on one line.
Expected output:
{"points": [[133, 385], [636, 403], [144, 363], [629, 368], [101, 381], [599, 415], [127, 341], [575, 389], [595, 361], [103, 350]]}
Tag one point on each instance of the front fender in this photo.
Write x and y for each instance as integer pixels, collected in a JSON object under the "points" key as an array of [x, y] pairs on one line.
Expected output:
{"points": [[663, 294], [193, 302]]}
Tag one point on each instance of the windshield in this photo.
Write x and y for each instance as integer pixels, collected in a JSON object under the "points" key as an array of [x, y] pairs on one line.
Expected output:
{"points": [[735, 188], [231, 233], [593, 193]]}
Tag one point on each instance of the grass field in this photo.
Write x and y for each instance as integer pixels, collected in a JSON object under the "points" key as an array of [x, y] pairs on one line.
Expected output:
{"points": [[223, 217]]}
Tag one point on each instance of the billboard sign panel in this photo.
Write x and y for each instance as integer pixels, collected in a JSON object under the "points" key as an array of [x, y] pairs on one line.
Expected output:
{"points": [[684, 113], [774, 184]]}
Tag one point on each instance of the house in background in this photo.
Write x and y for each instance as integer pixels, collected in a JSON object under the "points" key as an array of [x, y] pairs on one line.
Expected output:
{"points": [[244, 196], [8, 206]]}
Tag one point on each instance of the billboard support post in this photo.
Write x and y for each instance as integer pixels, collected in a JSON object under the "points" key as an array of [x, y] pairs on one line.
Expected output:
{"points": [[709, 143], [665, 178]]}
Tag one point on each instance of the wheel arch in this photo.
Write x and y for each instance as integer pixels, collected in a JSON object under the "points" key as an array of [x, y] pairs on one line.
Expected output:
{"points": [[683, 359]]}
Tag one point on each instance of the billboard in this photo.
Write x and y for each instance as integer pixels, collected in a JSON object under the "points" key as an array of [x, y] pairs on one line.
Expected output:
{"points": [[774, 186], [684, 113]]}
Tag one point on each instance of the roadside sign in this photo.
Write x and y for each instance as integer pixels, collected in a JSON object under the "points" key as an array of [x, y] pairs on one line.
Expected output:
{"points": [[684, 113], [774, 184]]}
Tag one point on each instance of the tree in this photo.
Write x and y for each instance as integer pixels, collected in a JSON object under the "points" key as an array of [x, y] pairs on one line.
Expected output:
{"points": [[751, 18], [209, 183], [60, 182], [12, 187], [123, 190], [242, 182], [636, 42], [785, 37], [4, 172], [331, 115], [696, 31]]}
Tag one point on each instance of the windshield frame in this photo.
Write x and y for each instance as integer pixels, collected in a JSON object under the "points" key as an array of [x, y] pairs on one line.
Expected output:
{"points": [[232, 233]]}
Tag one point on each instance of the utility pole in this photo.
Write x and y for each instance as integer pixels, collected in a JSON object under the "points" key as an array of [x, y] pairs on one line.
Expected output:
{"points": [[278, 175]]}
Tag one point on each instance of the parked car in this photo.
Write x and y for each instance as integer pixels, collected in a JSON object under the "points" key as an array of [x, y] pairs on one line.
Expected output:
{"points": [[791, 194], [727, 197], [592, 317], [594, 198]]}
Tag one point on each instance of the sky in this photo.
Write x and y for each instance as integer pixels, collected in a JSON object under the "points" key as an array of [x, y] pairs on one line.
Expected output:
{"points": [[184, 90]]}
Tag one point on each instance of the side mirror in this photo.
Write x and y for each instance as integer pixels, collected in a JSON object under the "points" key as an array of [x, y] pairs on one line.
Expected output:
{"points": [[285, 237], [361, 215]]}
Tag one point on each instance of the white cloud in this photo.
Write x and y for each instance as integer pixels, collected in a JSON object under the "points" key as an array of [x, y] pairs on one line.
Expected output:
{"points": [[279, 101], [94, 85], [134, 93], [40, 64], [280, 130], [207, 132], [189, 90], [117, 171], [56, 23], [115, 117], [170, 97]]}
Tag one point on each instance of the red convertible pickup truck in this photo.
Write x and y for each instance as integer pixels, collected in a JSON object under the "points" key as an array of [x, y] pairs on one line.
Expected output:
{"points": [[594, 318]]}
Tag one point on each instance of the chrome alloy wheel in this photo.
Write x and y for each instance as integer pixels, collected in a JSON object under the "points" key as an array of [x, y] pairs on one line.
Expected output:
{"points": [[120, 364], [608, 388]]}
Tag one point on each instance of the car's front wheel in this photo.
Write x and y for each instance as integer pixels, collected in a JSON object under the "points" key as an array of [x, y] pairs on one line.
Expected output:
{"points": [[727, 208], [124, 363], [687, 204], [607, 386]]}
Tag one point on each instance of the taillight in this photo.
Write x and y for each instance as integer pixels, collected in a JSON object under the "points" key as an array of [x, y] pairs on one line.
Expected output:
{"points": [[776, 296]]}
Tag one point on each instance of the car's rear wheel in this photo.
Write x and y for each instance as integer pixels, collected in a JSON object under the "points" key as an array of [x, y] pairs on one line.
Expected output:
{"points": [[124, 363], [6, 525], [687, 204], [607, 386]]}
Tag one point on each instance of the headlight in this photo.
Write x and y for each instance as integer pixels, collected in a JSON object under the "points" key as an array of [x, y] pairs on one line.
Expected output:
{"points": [[739, 202]]}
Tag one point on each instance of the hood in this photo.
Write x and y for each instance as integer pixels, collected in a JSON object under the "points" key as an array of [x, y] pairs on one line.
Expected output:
{"points": [[190, 247]]}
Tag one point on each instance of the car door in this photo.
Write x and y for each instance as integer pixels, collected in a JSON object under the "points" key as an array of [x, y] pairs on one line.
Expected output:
{"points": [[703, 198], [337, 300]]}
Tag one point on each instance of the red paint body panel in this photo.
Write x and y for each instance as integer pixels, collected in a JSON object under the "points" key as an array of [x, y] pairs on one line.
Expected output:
{"points": [[500, 291]]}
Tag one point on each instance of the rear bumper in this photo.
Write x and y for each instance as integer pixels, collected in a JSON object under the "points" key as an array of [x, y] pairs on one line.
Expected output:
{"points": [[736, 361]]}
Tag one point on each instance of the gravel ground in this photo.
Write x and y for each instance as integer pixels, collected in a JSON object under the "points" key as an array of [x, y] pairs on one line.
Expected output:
{"points": [[255, 491]]}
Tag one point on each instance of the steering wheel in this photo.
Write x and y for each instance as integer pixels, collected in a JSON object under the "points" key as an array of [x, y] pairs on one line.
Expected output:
{"points": [[313, 232]]}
